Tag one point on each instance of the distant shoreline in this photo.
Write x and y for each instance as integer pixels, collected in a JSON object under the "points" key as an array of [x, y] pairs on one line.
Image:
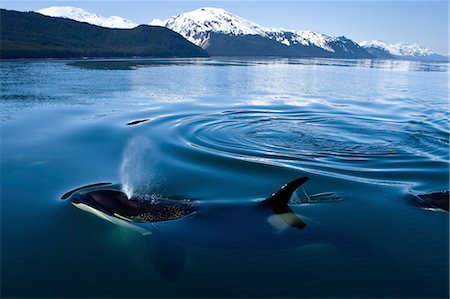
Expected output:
{"points": [[248, 58]]}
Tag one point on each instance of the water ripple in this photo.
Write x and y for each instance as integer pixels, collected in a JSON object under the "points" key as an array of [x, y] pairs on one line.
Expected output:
{"points": [[340, 145]]}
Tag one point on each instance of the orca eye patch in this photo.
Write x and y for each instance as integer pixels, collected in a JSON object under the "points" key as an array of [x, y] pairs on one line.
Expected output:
{"points": [[114, 201]]}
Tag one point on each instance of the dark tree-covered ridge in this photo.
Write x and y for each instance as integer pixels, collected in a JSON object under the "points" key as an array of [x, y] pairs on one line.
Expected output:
{"points": [[32, 35]]}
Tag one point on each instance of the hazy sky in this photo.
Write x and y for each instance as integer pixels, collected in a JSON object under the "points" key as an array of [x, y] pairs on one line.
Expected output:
{"points": [[423, 22]]}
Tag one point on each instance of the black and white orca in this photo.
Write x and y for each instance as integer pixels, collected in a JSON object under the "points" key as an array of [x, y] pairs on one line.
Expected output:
{"points": [[114, 205]]}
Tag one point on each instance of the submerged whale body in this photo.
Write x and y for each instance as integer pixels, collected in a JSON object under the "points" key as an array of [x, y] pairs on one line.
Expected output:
{"points": [[269, 224], [109, 203]]}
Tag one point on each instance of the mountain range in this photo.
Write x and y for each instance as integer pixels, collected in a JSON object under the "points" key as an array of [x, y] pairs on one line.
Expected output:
{"points": [[213, 29], [381, 49], [221, 33]]}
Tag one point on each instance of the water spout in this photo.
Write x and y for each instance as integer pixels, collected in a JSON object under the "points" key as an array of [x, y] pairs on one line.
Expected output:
{"points": [[136, 165]]}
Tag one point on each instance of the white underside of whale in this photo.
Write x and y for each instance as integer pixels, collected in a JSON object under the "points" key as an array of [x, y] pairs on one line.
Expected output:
{"points": [[116, 219]]}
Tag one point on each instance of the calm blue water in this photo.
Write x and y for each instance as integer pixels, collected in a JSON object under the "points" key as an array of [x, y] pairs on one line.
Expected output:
{"points": [[369, 134]]}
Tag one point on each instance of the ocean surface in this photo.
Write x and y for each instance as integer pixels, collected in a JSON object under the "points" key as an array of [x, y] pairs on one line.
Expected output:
{"points": [[370, 135]]}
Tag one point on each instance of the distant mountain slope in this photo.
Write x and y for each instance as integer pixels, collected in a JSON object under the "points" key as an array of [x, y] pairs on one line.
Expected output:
{"points": [[81, 15], [221, 33], [32, 35], [382, 49], [210, 27]]}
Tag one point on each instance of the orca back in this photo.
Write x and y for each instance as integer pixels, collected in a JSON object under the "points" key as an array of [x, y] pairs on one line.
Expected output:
{"points": [[140, 208]]}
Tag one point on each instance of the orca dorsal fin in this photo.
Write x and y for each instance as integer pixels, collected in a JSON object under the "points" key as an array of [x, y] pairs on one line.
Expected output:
{"points": [[281, 197]]}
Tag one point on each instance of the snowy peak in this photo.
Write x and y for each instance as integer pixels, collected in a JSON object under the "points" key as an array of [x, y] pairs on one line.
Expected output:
{"points": [[81, 15], [209, 19], [197, 25], [315, 38], [399, 49]]}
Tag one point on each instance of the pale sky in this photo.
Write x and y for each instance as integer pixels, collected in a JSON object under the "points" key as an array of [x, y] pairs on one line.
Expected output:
{"points": [[422, 22]]}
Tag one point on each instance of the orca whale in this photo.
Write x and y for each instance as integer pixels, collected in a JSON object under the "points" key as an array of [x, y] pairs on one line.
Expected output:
{"points": [[109, 203], [257, 225]]}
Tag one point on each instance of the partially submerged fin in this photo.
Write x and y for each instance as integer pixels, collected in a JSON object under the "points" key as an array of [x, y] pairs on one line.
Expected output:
{"points": [[68, 194], [281, 198], [439, 200], [138, 121]]}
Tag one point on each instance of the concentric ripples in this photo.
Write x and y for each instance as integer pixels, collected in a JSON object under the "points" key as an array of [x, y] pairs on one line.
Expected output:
{"points": [[337, 144]]}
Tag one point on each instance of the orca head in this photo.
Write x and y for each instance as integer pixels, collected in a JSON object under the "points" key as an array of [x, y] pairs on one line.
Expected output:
{"points": [[115, 203], [107, 201], [111, 202]]}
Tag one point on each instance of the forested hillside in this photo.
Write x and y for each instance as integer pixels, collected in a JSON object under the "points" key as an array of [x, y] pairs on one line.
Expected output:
{"points": [[32, 35]]}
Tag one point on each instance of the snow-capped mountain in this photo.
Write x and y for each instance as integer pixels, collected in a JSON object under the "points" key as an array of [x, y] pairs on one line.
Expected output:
{"points": [[205, 25], [399, 50], [197, 25], [82, 15], [224, 34], [302, 37]]}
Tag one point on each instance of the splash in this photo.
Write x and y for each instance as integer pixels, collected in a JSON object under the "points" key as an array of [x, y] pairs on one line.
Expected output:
{"points": [[137, 164]]}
